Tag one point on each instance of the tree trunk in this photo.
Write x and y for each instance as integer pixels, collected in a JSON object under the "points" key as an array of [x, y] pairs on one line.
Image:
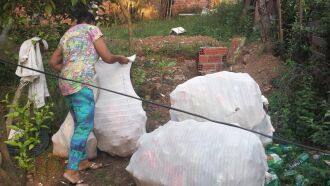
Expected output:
{"points": [[6, 180], [18, 93], [7, 171], [264, 20], [129, 24], [244, 11], [300, 13], [24, 178], [279, 12]]}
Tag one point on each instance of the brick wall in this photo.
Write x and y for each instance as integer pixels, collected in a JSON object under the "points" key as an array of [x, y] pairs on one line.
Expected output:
{"points": [[188, 6], [211, 59]]}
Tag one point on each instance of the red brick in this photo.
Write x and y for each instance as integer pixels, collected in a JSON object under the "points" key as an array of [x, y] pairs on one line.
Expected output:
{"points": [[218, 67], [203, 59], [208, 67], [235, 43], [224, 59], [215, 59], [199, 67], [214, 51], [210, 58]]}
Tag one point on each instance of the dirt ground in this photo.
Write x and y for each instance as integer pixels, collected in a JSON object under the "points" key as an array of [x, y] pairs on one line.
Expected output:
{"points": [[155, 43], [258, 61], [263, 67]]}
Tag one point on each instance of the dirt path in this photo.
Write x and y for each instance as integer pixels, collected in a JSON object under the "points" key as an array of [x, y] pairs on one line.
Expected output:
{"points": [[262, 66]]}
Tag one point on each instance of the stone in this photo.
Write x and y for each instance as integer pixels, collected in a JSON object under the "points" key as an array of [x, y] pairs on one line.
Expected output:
{"points": [[180, 77], [246, 58]]}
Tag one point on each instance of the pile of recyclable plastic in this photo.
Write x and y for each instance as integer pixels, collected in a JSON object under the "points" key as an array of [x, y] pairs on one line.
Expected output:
{"points": [[290, 165]]}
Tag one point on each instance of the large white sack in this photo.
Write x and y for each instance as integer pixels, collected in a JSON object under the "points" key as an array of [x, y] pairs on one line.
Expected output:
{"points": [[119, 120], [62, 138], [223, 96], [192, 153]]}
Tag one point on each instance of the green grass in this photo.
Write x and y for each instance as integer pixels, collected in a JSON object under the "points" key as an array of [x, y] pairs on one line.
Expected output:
{"points": [[150, 28], [222, 25]]}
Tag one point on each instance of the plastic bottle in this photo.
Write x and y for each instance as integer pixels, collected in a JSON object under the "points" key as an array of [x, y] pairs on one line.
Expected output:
{"points": [[301, 180], [289, 173], [299, 160], [272, 179], [280, 149], [274, 161]]}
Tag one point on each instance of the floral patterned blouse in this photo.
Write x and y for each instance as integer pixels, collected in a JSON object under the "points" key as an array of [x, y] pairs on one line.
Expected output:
{"points": [[79, 57]]}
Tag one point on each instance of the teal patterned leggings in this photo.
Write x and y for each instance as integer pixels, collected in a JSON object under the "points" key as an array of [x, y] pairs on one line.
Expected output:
{"points": [[81, 106]]}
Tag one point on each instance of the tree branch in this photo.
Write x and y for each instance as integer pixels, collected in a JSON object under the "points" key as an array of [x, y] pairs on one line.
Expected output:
{"points": [[7, 165], [129, 24], [6, 179]]}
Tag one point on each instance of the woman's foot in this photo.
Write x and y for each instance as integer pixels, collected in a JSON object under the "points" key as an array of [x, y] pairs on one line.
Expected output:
{"points": [[72, 176], [86, 164]]}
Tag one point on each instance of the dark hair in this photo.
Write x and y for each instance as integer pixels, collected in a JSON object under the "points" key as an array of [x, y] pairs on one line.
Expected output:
{"points": [[86, 17]]}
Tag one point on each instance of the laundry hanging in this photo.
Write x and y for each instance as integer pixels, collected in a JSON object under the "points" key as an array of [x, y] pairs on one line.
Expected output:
{"points": [[30, 56]]}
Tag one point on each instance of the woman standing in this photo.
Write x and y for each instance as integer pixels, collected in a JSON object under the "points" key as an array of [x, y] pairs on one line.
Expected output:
{"points": [[78, 51]]}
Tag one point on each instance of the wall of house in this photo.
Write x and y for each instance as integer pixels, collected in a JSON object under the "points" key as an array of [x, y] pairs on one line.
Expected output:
{"points": [[191, 6], [157, 8]]}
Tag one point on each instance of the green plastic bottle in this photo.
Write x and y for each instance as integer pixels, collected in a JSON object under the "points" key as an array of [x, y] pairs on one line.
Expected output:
{"points": [[281, 149], [299, 160], [289, 173], [274, 161], [301, 180], [273, 179]]}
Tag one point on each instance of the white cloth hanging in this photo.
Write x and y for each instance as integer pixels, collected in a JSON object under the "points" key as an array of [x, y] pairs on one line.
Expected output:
{"points": [[30, 56]]}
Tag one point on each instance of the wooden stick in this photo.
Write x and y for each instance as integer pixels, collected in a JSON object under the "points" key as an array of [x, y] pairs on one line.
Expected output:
{"points": [[280, 29], [129, 24], [300, 13], [9, 120]]}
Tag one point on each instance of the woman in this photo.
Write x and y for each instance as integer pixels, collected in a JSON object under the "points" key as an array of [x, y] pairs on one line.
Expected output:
{"points": [[79, 49]]}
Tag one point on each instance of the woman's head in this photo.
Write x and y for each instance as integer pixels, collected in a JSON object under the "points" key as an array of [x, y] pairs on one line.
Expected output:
{"points": [[86, 17]]}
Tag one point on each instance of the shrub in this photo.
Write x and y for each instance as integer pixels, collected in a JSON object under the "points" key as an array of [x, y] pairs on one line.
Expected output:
{"points": [[28, 122], [296, 109], [224, 24]]}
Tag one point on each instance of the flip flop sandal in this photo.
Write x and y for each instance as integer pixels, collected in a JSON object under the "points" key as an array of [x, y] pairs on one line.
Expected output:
{"points": [[94, 166], [78, 183]]}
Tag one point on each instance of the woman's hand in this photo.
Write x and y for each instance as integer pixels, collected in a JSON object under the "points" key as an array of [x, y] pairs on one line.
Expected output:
{"points": [[108, 57], [123, 60]]}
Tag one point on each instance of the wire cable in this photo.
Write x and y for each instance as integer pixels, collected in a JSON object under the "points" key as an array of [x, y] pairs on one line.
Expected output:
{"points": [[175, 109]]}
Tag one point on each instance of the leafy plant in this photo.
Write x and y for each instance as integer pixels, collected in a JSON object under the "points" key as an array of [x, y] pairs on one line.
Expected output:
{"points": [[224, 24], [139, 76], [28, 122], [36, 9], [297, 112], [163, 65], [322, 129], [300, 105]]}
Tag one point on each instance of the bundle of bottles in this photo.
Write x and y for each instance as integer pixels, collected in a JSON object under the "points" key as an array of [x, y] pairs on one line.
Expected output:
{"points": [[290, 165]]}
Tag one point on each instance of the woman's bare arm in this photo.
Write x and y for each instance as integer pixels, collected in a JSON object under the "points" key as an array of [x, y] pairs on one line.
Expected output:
{"points": [[56, 60], [107, 56]]}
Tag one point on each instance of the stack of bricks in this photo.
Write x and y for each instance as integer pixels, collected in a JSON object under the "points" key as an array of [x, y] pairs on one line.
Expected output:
{"points": [[211, 59]]}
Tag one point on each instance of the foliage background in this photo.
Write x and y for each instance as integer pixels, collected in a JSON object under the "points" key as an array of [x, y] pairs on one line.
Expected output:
{"points": [[300, 106]]}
